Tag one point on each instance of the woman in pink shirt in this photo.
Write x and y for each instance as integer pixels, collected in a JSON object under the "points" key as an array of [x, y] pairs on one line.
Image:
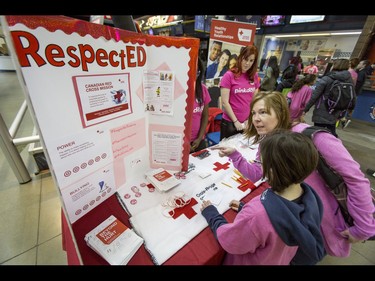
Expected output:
{"points": [[311, 69], [269, 111], [237, 88]]}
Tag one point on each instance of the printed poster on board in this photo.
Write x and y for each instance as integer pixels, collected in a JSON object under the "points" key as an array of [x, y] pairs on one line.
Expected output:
{"points": [[226, 38], [87, 85]]}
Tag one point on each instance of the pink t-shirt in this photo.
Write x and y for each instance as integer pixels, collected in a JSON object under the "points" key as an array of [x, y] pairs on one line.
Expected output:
{"points": [[354, 75], [197, 113], [311, 69], [299, 101], [241, 92]]}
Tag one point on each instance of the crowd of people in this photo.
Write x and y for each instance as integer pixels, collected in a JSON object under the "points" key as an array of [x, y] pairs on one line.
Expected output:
{"points": [[297, 220]]}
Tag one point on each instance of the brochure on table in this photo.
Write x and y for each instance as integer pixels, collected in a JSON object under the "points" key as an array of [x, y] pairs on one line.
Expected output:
{"points": [[109, 104]]}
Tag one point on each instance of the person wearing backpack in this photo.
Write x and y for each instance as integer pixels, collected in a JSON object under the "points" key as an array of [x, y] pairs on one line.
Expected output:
{"points": [[288, 78], [323, 116], [353, 63], [269, 111], [281, 226], [299, 95]]}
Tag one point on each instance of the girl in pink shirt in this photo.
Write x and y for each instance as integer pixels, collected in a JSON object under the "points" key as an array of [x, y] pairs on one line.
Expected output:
{"points": [[282, 225], [299, 96]]}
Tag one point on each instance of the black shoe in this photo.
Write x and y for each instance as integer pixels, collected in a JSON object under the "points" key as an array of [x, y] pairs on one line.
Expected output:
{"points": [[342, 122], [346, 123]]}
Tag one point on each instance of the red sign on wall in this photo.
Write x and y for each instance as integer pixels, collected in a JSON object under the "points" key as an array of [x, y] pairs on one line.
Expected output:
{"points": [[235, 32]]}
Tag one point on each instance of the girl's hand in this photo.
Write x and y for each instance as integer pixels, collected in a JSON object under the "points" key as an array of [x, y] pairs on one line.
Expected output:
{"points": [[194, 145], [234, 204], [205, 204]]}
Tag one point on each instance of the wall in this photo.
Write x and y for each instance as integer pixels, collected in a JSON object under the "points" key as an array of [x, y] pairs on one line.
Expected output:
{"points": [[343, 45]]}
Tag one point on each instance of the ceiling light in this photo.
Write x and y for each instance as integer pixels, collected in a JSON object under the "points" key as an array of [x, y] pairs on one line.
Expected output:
{"points": [[287, 35], [346, 33], [315, 34]]}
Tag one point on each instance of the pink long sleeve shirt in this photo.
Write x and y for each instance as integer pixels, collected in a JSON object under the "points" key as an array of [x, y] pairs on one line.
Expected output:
{"points": [[359, 202]]}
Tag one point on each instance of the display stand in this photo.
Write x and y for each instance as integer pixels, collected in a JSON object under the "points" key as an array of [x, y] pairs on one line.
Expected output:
{"points": [[106, 103]]}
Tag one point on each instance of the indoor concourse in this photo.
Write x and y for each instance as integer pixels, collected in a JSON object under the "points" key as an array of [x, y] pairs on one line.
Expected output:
{"points": [[30, 213]]}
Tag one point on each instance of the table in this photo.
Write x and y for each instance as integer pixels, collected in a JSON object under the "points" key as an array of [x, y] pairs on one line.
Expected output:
{"points": [[201, 250]]}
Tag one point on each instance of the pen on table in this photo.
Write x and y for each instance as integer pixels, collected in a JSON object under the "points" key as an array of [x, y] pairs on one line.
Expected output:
{"points": [[234, 178], [226, 184], [243, 185], [238, 173]]}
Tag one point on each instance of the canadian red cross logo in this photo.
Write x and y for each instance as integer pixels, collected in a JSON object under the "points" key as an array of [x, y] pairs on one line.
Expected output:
{"points": [[220, 166]]}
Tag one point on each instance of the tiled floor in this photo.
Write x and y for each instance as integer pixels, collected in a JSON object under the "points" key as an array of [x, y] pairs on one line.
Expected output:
{"points": [[30, 223]]}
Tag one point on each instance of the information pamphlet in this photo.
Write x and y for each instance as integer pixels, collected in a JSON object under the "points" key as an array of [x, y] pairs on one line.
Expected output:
{"points": [[114, 241], [162, 180]]}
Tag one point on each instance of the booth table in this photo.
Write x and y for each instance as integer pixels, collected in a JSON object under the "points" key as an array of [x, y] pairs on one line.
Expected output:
{"points": [[201, 250], [174, 240]]}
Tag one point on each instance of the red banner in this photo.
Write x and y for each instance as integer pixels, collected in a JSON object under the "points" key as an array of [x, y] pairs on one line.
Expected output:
{"points": [[235, 32]]}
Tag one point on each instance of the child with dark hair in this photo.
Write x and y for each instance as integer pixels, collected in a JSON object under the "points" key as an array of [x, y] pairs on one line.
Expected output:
{"points": [[299, 95], [282, 225]]}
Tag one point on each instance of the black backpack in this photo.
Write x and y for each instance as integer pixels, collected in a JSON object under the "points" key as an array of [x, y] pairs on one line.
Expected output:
{"points": [[341, 96], [334, 182]]}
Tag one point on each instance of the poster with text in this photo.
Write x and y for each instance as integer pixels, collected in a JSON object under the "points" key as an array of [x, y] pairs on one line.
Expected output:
{"points": [[85, 88], [226, 40]]}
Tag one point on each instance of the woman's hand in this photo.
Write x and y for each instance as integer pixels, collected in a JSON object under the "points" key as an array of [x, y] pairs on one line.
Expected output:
{"points": [[350, 238], [238, 125], [224, 150]]}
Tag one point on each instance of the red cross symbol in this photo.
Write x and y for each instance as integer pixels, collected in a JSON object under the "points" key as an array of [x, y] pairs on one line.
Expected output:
{"points": [[118, 96], [245, 184], [221, 166], [187, 210]]}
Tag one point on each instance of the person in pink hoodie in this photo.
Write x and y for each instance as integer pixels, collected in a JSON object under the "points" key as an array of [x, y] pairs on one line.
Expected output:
{"points": [[282, 225], [299, 95], [269, 111]]}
